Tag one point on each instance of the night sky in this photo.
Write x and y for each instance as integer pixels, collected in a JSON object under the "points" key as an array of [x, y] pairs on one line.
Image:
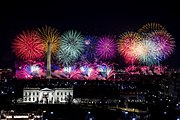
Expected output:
{"points": [[88, 17]]}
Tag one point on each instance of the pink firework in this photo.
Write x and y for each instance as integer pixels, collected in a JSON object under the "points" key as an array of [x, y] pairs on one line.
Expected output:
{"points": [[28, 46], [164, 41], [106, 47], [127, 44]]}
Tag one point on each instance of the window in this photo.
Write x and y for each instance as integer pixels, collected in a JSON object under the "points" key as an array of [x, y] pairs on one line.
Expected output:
{"points": [[37, 93], [61, 93], [33, 93], [65, 93], [33, 98], [61, 99], [57, 93], [25, 99], [29, 99], [29, 93]]}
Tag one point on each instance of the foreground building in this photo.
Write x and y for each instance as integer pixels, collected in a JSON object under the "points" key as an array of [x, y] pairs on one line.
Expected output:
{"points": [[46, 95]]}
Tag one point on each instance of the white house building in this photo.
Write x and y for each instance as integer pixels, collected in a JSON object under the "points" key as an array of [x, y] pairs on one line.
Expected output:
{"points": [[46, 95]]}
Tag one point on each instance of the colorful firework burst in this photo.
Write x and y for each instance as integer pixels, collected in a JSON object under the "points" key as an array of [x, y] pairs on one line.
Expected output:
{"points": [[28, 46], [90, 43], [29, 70], [150, 54], [106, 47], [52, 44], [72, 46], [65, 58], [164, 41], [126, 45], [151, 27], [50, 35]]}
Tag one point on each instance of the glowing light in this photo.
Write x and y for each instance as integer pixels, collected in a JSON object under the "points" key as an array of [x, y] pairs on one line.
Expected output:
{"points": [[164, 41], [30, 69], [35, 69], [89, 71], [127, 42], [52, 44], [90, 44], [28, 46], [65, 58], [50, 35], [150, 54], [84, 69], [151, 27], [72, 47], [67, 69], [106, 47]]}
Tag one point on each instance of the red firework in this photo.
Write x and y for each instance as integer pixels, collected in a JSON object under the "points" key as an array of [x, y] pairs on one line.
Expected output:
{"points": [[28, 46]]}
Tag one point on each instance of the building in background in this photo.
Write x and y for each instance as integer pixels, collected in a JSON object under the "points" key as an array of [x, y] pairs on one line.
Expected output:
{"points": [[6, 74], [47, 96]]}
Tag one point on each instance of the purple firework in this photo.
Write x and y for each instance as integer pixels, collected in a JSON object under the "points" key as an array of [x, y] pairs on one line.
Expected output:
{"points": [[164, 41], [106, 47]]}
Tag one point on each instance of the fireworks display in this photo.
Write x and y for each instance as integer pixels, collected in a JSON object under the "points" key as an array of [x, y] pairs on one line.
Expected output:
{"points": [[72, 46], [89, 57], [50, 35], [30, 69], [150, 54], [151, 27], [149, 47], [164, 41], [159, 42], [65, 58], [106, 47], [90, 43], [127, 46], [28, 46]]}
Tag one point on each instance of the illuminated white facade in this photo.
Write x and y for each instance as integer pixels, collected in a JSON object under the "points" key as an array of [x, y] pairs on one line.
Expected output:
{"points": [[46, 95]]}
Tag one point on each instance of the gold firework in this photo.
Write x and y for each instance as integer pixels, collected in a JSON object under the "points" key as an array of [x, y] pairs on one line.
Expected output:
{"points": [[151, 27], [50, 35]]}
